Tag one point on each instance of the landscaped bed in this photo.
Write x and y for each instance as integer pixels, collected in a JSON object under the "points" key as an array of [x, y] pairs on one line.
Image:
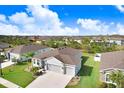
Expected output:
{"points": [[89, 73], [2, 86], [18, 75]]}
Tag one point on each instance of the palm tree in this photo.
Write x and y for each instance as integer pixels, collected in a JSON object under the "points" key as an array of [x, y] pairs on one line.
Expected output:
{"points": [[29, 55], [117, 77]]}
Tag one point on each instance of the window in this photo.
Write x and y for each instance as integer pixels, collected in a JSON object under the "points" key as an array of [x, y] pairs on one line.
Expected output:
{"points": [[38, 62], [107, 78], [34, 61]]}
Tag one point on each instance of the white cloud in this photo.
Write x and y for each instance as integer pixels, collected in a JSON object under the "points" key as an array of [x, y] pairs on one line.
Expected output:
{"points": [[96, 26], [120, 8], [21, 18], [2, 18], [41, 21], [120, 29], [8, 29]]}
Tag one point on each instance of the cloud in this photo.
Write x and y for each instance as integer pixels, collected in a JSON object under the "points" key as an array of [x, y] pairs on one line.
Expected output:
{"points": [[95, 26], [6, 29], [120, 8], [21, 19], [37, 20], [40, 20], [2, 18], [120, 29]]}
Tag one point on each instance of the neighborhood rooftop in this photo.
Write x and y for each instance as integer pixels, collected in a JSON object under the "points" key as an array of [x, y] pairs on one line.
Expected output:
{"points": [[4, 45], [112, 60], [26, 48], [64, 54]]}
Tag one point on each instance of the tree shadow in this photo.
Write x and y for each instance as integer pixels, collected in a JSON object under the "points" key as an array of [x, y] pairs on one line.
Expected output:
{"points": [[85, 70], [84, 59]]}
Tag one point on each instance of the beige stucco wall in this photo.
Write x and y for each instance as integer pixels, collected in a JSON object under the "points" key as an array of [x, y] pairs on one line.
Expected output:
{"points": [[79, 59], [13, 55]]}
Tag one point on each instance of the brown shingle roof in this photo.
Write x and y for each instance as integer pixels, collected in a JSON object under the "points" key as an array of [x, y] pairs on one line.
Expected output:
{"points": [[66, 55], [26, 48], [112, 60]]}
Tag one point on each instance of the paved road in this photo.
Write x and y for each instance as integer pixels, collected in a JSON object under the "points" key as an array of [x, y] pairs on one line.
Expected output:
{"points": [[51, 80], [8, 84]]}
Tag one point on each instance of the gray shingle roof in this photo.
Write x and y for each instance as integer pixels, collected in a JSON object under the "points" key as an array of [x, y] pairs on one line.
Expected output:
{"points": [[64, 54], [26, 48], [112, 60], [4, 45]]}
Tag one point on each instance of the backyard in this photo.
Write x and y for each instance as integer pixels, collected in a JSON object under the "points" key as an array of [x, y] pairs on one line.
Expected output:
{"points": [[18, 75], [89, 73]]}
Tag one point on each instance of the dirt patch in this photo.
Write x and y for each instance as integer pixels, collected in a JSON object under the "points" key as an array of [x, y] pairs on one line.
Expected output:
{"points": [[74, 81]]}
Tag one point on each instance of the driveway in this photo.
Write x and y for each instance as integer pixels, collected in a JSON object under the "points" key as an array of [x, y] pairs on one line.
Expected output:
{"points": [[6, 64], [51, 80]]}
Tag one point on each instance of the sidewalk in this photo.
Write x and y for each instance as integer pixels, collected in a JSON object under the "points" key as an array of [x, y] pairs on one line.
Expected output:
{"points": [[8, 84]]}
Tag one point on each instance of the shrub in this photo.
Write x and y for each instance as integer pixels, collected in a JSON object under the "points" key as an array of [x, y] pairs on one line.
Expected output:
{"points": [[103, 85], [34, 70], [38, 73], [110, 85]]}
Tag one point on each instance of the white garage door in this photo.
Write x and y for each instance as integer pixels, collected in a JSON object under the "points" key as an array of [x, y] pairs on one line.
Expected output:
{"points": [[55, 68], [70, 71]]}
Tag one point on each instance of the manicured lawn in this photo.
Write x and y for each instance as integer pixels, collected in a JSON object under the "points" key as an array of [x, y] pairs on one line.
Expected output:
{"points": [[89, 73], [1, 86], [17, 75]]}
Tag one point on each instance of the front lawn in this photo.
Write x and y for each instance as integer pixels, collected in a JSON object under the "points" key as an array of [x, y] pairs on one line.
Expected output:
{"points": [[2, 86], [17, 75], [89, 73]]}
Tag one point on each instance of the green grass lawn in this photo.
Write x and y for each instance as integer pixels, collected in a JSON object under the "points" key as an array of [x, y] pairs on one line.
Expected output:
{"points": [[89, 73], [1, 86], [17, 75]]}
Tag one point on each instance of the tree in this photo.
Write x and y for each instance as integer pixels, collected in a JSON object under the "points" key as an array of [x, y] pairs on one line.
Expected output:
{"points": [[28, 55], [1, 60], [117, 77]]}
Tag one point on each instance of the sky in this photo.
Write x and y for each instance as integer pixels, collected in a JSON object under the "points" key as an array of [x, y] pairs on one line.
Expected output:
{"points": [[61, 20]]}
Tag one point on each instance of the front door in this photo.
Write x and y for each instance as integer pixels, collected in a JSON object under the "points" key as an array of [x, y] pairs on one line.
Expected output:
{"points": [[43, 65], [8, 56]]}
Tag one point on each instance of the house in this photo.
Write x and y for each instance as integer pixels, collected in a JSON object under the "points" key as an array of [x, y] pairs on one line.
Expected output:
{"points": [[109, 40], [3, 46], [111, 61], [96, 39], [63, 60], [118, 41], [19, 52]]}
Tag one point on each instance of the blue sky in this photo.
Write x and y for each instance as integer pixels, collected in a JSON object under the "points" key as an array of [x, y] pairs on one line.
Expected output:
{"points": [[61, 20]]}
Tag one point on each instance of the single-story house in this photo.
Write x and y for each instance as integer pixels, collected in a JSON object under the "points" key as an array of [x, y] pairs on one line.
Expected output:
{"points": [[63, 60], [118, 41], [19, 52], [111, 61], [3, 46], [109, 40]]}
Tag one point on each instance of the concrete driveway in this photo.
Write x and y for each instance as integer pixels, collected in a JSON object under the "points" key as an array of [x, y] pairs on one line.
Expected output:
{"points": [[51, 80], [6, 64]]}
